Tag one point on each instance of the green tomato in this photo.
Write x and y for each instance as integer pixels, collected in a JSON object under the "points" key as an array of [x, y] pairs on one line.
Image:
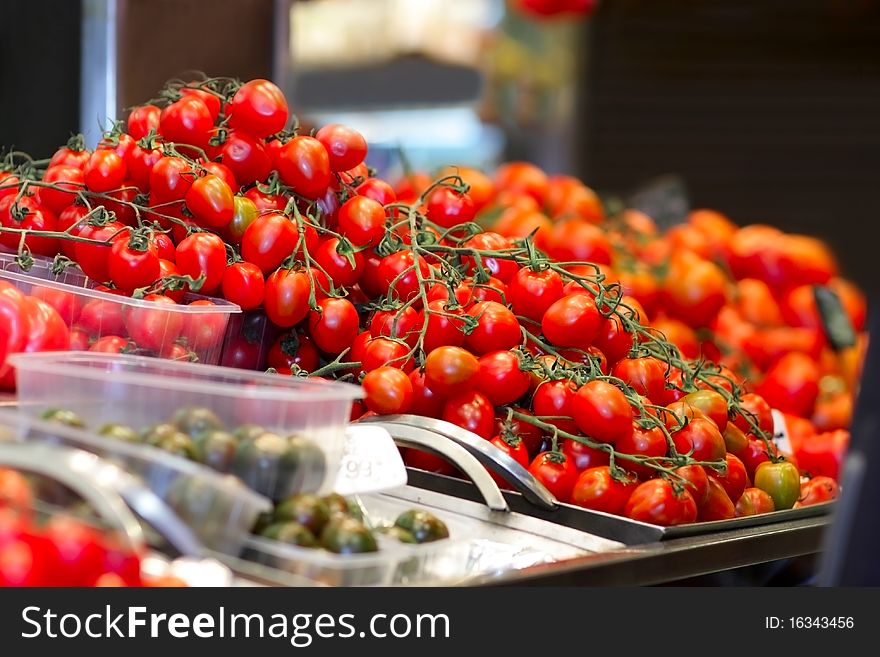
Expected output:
{"points": [[119, 432], [292, 533], [425, 527], [781, 481], [63, 416], [344, 535], [195, 421], [216, 449], [308, 510]]}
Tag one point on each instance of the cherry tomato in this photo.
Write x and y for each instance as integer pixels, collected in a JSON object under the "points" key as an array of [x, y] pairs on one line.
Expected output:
{"points": [[701, 439], [647, 376], [448, 208], [823, 454], [758, 411], [528, 433], [133, 263], [287, 297], [736, 479], [816, 491], [79, 340], [69, 157], [712, 404], [471, 410], [781, 481], [735, 440], [154, 327], [500, 378], [292, 349], [388, 391], [754, 455], [657, 502], [378, 190], [717, 505], [792, 385], [246, 157], [346, 147], [515, 449], [258, 107], [613, 339], [203, 332], [185, 122], [67, 304], [402, 324], [754, 501], [556, 398], [695, 290], [104, 171], [342, 263], [578, 241], [442, 329], [143, 119], [93, 259], [170, 179], [362, 221], [426, 402], [696, 481], [244, 285], [572, 321], [641, 442], [497, 328], [333, 328], [211, 201], [202, 254], [110, 344], [602, 411], [304, 165], [269, 240], [398, 274], [522, 178], [583, 456], [556, 472], [384, 351], [501, 268], [451, 369], [597, 489], [69, 180], [530, 293]]}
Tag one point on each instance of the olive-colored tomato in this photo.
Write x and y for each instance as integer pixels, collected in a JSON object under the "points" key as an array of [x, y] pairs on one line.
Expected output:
{"points": [[216, 449], [194, 421], [781, 481], [310, 511], [291, 533], [424, 527], [346, 535]]}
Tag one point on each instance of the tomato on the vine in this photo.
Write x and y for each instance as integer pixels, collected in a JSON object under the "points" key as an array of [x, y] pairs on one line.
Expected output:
{"points": [[530, 293], [202, 255], [572, 321], [133, 262], [343, 263], [556, 398], [781, 481], [287, 296], [451, 370], [93, 259], [293, 350], [244, 285], [515, 448], [646, 375], [170, 179], [426, 402], [442, 328], [362, 221], [597, 489], [701, 438], [67, 181], [154, 327], [753, 502], [471, 410], [657, 502], [345, 146], [448, 208], [736, 479], [104, 171], [602, 411], [641, 442], [334, 326], [143, 119], [397, 272], [556, 472], [717, 505], [385, 351], [258, 107], [500, 267], [497, 328], [377, 190], [816, 491], [304, 165], [388, 391], [187, 122], [269, 240], [246, 157], [500, 378], [696, 481]]}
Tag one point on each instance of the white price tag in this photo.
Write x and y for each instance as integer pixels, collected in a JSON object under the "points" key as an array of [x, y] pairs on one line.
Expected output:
{"points": [[780, 432], [371, 462]]}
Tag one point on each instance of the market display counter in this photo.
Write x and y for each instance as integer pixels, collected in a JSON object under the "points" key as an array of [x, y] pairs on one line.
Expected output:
{"points": [[677, 559]]}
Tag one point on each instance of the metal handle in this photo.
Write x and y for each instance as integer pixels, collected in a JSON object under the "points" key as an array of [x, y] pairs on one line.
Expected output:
{"points": [[407, 435], [485, 452], [85, 474]]}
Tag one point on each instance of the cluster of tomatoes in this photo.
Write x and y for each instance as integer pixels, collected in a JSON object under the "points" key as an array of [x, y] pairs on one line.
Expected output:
{"points": [[63, 551], [590, 347], [554, 8]]}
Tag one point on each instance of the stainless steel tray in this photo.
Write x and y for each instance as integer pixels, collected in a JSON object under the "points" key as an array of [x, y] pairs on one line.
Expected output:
{"points": [[530, 498]]}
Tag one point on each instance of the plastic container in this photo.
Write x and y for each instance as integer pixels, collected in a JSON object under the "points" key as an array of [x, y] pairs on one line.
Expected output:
{"points": [[219, 509], [307, 417], [182, 332], [395, 563]]}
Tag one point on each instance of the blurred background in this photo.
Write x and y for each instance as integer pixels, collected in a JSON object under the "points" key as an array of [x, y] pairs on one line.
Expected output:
{"points": [[764, 109]]}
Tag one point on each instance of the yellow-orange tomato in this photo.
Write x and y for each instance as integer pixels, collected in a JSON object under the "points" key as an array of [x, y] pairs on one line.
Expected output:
{"points": [[481, 191]]}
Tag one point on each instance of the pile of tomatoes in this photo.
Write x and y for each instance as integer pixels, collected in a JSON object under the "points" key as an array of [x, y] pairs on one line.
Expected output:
{"points": [[632, 371]]}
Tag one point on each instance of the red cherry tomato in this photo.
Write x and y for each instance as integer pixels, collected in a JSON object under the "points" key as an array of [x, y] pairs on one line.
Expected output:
{"points": [[388, 391], [597, 489], [556, 472], [258, 107], [656, 501]]}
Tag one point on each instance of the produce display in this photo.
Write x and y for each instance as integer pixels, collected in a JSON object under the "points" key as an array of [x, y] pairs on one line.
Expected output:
{"points": [[264, 460], [633, 371], [337, 525]]}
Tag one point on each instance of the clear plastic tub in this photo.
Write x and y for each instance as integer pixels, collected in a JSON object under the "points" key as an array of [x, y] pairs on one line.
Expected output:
{"points": [[395, 563], [179, 332], [301, 436], [219, 509], [249, 337]]}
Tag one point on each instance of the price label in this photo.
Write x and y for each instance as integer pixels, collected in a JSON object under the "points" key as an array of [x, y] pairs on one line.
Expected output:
{"points": [[371, 462], [780, 432]]}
